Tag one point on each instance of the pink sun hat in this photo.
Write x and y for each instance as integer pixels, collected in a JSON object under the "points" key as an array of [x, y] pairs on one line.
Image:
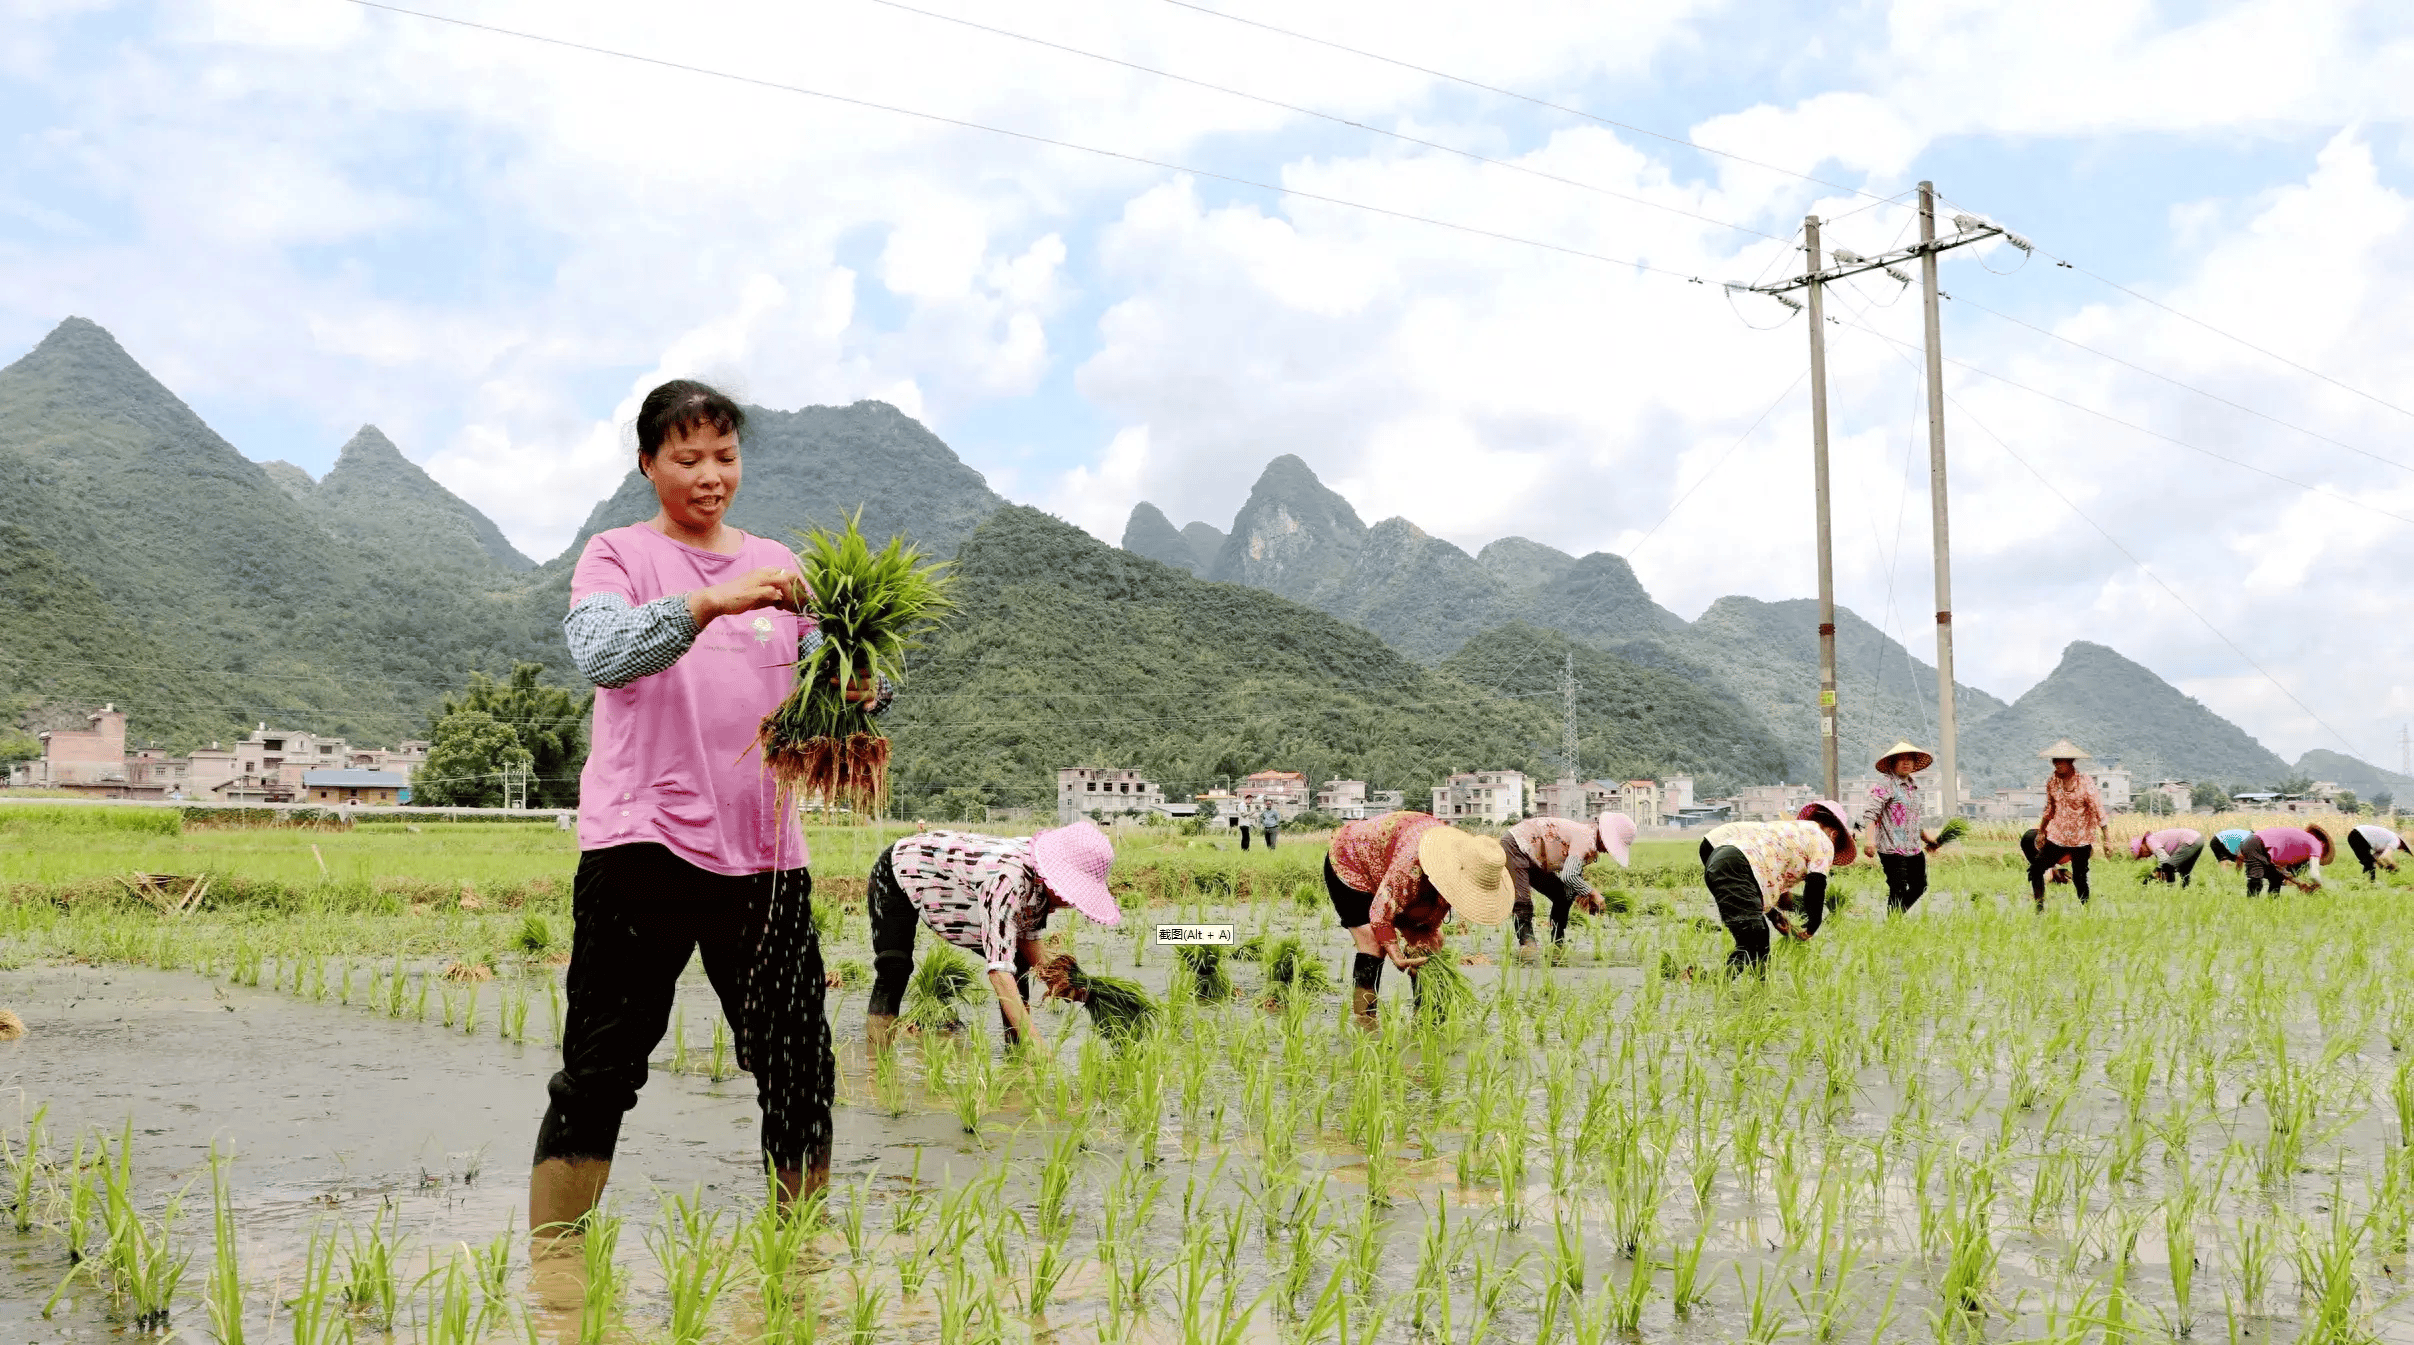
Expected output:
{"points": [[1617, 836], [1073, 862], [1835, 813]]}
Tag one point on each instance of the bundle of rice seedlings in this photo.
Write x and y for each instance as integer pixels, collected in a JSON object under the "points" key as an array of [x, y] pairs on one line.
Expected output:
{"points": [[1251, 949], [1291, 968], [1953, 830], [942, 981], [1443, 991], [872, 607], [1207, 981], [1119, 1009]]}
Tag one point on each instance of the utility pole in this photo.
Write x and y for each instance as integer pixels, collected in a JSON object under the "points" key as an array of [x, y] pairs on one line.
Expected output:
{"points": [[1827, 557], [1968, 229], [1567, 729], [1947, 730]]}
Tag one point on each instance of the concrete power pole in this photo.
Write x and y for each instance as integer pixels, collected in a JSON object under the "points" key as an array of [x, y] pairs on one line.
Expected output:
{"points": [[1947, 732], [1827, 559]]}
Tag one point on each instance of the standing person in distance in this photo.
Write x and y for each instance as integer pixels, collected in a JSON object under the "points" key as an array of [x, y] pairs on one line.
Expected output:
{"points": [[2174, 851], [1269, 820], [990, 896], [684, 625], [1752, 869], [1548, 854], [2372, 845], [1393, 880], [1892, 820], [2071, 824], [2280, 856]]}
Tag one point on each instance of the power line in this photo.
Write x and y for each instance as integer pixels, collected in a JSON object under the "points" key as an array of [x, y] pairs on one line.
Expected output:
{"points": [[2308, 487], [1029, 137], [1337, 120], [2188, 387], [2126, 553], [2194, 321], [1529, 99]]}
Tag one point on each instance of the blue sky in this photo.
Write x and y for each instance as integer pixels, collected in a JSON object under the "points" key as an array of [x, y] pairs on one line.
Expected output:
{"points": [[305, 215]]}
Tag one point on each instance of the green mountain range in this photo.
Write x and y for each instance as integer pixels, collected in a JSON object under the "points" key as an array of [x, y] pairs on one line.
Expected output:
{"points": [[144, 560], [1071, 652], [1428, 598]]}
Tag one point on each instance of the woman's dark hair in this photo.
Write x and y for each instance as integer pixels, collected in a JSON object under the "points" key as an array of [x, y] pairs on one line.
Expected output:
{"points": [[1419, 919], [680, 407]]}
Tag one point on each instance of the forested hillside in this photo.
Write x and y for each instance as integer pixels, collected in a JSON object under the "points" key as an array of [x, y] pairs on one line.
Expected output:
{"points": [[1071, 652]]}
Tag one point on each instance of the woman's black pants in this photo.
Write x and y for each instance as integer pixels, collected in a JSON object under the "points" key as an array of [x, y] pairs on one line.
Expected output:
{"points": [[1906, 879], [1527, 878], [2262, 875], [641, 913], [2043, 855], [1737, 893], [895, 922], [2364, 855], [2181, 864]]}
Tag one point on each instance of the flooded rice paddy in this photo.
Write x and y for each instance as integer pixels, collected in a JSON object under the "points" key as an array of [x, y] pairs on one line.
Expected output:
{"points": [[2171, 1115]]}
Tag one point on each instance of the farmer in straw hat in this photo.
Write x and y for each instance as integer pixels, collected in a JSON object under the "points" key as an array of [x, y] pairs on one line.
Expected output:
{"points": [[2281, 856], [1892, 819], [990, 896], [2174, 851], [2372, 846], [1394, 879], [1549, 854], [2072, 821], [1752, 869], [686, 627]]}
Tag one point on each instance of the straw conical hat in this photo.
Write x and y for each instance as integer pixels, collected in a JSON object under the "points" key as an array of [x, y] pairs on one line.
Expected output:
{"points": [[1926, 759], [2066, 750], [1471, 872]]}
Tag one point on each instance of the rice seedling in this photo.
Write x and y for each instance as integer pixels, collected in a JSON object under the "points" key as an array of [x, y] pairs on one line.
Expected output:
{"points": [[316, 1310], [371, 1289], [1444, 993], [25, 1163], [697, 1264], [1684, 1271], [601, 1278], [865, 1303], [1118, 1008], [942, 982], [719, 1062], [1201, 974], [872, 609], [1292, 971], [223, 1294]]}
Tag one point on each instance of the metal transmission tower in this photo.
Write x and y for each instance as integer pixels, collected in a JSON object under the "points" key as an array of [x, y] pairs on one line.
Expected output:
{"points": [[1567, 726], [1968, 229]]}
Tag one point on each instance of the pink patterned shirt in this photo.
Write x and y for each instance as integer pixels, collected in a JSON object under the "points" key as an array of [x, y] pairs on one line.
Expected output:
{"points": [[2074, 813], [1379, 857], [1781, 853]]}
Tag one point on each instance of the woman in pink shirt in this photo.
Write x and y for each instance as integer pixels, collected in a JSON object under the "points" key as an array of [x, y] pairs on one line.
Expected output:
{"points": [[686, 627], [2174, 851], [2278, 856]]}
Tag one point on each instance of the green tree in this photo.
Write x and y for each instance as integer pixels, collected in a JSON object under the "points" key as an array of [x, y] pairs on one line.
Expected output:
{"points": [[549, 723], [2207, 797], [2345, 799], [17, 745], [2154, 803], [2299, 783], [467, 759]]}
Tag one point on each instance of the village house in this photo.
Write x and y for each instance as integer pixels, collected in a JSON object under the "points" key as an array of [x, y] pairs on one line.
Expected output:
{"points": [[2181, 793], [1098, 791], [345, 788], [1219, 808], [1285, 791], [1495, 797], [1771, 803], [267, 767], [1351, 800]]}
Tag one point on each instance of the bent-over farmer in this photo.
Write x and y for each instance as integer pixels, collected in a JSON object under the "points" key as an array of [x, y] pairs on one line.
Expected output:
{"points": [[2174, 851], [2283, 856], [1752, 869], [990, 896], [2372, 845], [1393, 880], [1548, 855]]}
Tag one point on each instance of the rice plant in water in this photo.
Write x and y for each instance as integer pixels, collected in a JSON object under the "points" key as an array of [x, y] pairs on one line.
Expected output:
{"points": [[941, 983], [1118, 1008], [872, 608]]}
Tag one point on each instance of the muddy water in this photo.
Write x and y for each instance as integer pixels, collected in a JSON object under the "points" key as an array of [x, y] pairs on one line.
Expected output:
{"points": [[331, 1113]]}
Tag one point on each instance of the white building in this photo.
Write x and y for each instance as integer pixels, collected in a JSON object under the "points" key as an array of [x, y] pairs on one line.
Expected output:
{"points": [[1220, 808], [1676, 795], [1640, 800], [1099, 791], [2112, 785], [2181, 793], [1496, 797], [1771, 803], [1285, 791], [1351, 800]]}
